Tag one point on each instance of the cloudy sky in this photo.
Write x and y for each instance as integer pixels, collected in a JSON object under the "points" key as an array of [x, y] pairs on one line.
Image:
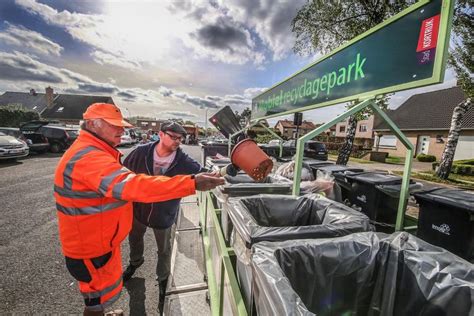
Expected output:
{"points": [[163, 59]]}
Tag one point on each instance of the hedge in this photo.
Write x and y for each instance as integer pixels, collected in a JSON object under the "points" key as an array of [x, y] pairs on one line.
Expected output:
{"points": [[462, 169], [14, 117], [426, 158], [465, 166]]}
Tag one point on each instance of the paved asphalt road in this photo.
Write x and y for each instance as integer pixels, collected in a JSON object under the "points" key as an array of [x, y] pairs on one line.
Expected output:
{"points": [[33, 276]]}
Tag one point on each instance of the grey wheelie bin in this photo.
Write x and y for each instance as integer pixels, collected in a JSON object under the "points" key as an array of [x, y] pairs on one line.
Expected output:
{"points": [[212, 150], [213, 163], [446, 219], [361, 274], [377, 195], [336, 171], [280, 217]]}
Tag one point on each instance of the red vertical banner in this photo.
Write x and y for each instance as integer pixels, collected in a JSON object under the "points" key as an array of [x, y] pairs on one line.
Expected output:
{"points": [[428, 37]]}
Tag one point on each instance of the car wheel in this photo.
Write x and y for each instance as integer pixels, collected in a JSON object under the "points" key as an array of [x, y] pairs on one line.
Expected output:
{"points": [[55, 148]]}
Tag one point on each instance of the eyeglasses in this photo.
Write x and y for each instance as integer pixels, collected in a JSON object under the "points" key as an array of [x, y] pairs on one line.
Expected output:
{"points": [[175, 138]]}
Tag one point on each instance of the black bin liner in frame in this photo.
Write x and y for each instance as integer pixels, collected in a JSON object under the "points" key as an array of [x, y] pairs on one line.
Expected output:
{"points": [[244, 185], [281, 217], [360, 274]]}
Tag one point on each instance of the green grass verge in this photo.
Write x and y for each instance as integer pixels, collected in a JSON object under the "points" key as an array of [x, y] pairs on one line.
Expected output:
{"points": [[334, 157], [460, 181], [393, 160]]}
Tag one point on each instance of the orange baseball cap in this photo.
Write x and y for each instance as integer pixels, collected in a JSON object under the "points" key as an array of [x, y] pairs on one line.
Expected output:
{"points": [[108, 112]]}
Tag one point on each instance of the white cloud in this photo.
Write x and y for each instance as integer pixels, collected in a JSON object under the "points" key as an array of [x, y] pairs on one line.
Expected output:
{"points": [[102, 58], [251, 93], [18, 66], [185, 115], [237, 102], [24, 38], [228, 32], [271, 20]]}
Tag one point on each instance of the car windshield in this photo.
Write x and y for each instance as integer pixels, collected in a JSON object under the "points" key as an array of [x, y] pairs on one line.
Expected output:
{"points": [[317, 146]]}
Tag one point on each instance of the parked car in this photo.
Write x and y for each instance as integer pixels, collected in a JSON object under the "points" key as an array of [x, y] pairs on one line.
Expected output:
{"points": [[312, 149], [59, 137], [134, 134], [12, 148], [35, 140], [274, 142], [126, 139]]}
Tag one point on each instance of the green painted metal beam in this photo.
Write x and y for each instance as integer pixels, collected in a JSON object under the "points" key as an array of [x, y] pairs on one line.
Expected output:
{"points": [[404, 194], [300, 143], [215, 293]]}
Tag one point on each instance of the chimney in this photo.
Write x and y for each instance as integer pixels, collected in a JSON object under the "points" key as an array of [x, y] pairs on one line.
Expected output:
{"points": [[49, 97], [32, 92]]}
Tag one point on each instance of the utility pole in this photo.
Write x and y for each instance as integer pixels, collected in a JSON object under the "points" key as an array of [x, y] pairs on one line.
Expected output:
{"points": [[205, 124]]}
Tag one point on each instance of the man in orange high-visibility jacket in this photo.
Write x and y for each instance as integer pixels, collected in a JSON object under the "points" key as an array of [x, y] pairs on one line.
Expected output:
{"points": [[94, 195]]}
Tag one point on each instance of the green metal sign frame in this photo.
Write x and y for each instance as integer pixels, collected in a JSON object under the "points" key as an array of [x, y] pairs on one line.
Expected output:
{"points": [[297, 93], [357, 108]]}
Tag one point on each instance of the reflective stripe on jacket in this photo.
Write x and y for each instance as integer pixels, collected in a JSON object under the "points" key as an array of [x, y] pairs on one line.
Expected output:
{"points": [[93, 193]]}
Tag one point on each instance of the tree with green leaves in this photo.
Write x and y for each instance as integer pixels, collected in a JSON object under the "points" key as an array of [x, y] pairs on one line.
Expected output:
{"points": [[188, 122], [244, 116], [461, 60], [13, 115], [321, 26]]}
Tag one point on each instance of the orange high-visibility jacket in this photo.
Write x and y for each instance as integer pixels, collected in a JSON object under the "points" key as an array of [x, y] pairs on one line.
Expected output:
{"points": [[94, 195]]}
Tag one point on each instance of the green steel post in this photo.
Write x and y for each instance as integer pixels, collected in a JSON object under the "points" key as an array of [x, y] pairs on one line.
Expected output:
{"points": [[316, 132], [228, 269], [215, 293], [402, 204]]}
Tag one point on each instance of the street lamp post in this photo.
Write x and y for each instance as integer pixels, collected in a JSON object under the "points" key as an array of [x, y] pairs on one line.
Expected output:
{"points": [[205, 124]]}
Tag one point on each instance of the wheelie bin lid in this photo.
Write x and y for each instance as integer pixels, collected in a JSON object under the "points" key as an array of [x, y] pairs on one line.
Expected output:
{"points": [[244, 185], [374, 177], [244, 178], [339, 168], [446, 196]]}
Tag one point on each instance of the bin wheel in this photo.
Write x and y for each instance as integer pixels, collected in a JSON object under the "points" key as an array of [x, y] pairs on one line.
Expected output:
{"points": [[205, 278], [208, 298]]}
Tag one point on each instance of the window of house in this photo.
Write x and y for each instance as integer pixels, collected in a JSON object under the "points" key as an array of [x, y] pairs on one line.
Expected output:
{"points": [[388, 141], [342, 129], [144, 123], [60, 109], [439, 139], [362, 128], [153, 123]]}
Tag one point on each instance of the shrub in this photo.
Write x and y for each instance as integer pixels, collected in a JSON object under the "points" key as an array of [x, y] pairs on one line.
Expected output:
{"points": [[264, 138], [462, 169], [13, 116], [426, 158], [464, 162]]}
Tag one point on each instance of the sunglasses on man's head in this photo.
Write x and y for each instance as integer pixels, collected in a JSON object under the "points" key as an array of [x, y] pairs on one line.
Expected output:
{"points": [[175, 138]]}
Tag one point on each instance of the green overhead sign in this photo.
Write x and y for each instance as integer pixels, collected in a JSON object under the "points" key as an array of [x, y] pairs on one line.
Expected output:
{"points": [[406, 51]]}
